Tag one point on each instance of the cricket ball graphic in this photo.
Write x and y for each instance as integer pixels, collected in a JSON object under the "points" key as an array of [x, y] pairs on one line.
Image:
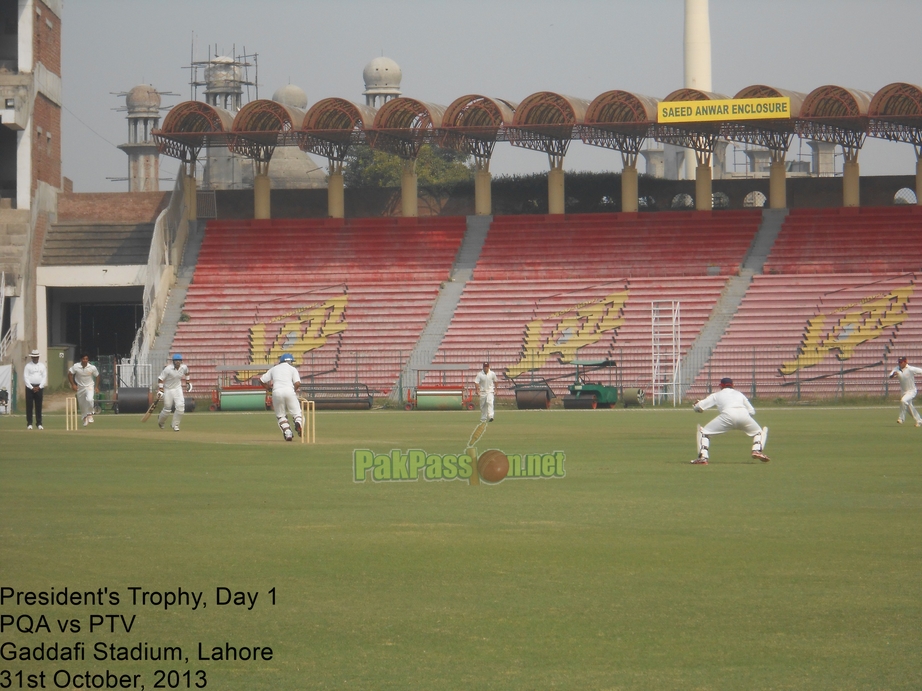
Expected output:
{"points": [[493, 465]]}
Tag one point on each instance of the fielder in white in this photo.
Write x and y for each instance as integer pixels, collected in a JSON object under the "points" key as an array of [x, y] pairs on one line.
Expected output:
{"points": [[486, 388], [735, 413], [82, 378], [170, 389], [283, 381], [907, 375]]}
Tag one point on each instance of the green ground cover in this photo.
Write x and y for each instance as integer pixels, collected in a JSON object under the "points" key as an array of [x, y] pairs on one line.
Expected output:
{"points": [[635, 571]]}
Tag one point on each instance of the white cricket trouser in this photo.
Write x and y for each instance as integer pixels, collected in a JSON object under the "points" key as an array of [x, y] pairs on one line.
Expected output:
{"points": [[286, 403], [486, 406], [85, 400], [906, 404], [173, 396], [734, 418]]}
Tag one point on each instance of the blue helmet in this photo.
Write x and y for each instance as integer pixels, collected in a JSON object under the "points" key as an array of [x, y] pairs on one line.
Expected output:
{"points": [[177, 356], [287, 357]]}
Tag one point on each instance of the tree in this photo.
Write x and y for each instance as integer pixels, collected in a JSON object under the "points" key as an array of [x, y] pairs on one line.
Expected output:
{"points": [[435, 168]]}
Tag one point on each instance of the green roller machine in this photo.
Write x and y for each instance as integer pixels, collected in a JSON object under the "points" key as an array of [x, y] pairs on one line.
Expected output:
{"points": [[585, 394]]}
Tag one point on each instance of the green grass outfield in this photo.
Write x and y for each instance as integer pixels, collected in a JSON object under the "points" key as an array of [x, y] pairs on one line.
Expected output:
{"points": [[635, 571]]}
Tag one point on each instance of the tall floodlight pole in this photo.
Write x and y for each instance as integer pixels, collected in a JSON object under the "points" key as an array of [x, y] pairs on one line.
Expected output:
{"points": [[697, 58]]}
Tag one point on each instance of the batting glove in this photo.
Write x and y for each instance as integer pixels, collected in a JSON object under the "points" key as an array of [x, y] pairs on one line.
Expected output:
{"points": [[160, 394]]}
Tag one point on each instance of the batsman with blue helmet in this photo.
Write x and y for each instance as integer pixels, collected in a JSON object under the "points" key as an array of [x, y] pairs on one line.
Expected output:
{"points": [[283, 381]]}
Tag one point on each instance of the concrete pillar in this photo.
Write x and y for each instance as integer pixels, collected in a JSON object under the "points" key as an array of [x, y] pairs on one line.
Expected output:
{"points": [[483, 193], [336, 197], [850, 183], [556, 203], [191, 194], [777, 186], [629, 189], [409, 202], [919, 179], [703, 194], [262, 194]]}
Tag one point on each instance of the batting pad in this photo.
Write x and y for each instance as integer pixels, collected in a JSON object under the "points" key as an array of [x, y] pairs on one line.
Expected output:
{"points": [[764, 437], [698, 440]]}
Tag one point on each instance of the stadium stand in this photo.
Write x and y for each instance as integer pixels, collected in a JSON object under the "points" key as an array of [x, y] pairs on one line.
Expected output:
{"points": [[586, 283], [833, 309], [334, 292]]}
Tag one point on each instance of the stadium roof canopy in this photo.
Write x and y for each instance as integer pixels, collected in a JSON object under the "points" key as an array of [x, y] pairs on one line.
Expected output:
{"points": [[775, 135], [191, 125], [895, 113], [836, 115], [544, 121], [700, 136], [472, 124], [332, 125], [620, 120], [403, 125], [258, 125]]}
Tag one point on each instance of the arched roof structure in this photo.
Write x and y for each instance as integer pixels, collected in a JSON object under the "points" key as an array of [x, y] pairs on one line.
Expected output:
{"points": [[895, 113], [472, 124], [258, 126], [402, 126], [546, 121], [332, 125], [835, 114], [775, 135], [189, 126], [619, 120], [700, 136]]}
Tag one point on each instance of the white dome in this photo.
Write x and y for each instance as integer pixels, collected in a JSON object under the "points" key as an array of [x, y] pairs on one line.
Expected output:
{"points": [[143, 98], [291, 95], [382, 73], [222, 74]]}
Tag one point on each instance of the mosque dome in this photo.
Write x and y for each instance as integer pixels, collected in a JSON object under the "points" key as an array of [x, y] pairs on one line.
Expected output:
{"points": [[222, 74], [291, 95], [382, 75], [143, 99]]}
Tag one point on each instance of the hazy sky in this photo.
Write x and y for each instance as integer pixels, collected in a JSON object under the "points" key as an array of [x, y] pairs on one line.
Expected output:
{"points": [[499, 48]]}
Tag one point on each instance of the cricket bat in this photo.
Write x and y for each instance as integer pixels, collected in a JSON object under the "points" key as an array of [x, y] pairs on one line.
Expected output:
{"points": [[150, 411]]}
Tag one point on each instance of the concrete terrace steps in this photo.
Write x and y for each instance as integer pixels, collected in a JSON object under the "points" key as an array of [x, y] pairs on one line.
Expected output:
{"points": [[82, 244]]}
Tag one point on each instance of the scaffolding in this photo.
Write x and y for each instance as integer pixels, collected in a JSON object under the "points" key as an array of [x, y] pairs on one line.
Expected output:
{"points": [[666, 334]]}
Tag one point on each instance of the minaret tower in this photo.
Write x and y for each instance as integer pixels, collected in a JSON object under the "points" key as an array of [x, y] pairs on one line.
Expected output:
{"points": [[382, 81], [143, 105], [697, 59]]}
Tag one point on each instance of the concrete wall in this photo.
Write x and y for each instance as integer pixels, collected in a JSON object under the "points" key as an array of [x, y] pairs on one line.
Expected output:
{"points": [[585, 193]]}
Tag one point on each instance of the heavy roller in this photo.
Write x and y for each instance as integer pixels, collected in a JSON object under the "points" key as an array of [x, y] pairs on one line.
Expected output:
{"points": [[535, 394]]}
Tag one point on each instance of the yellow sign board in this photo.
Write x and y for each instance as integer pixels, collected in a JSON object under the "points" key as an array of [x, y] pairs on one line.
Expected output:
{"points": [[726, 109]]}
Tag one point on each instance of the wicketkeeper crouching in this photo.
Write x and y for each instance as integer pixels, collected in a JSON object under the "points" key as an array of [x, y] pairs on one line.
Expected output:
{"points": [[735, 413]]}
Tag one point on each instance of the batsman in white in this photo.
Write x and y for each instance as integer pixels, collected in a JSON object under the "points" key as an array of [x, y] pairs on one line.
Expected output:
{"points": [[170, 389], [83, 378], [735, 413], [283, 381], [907, 375], [486, 387]]}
